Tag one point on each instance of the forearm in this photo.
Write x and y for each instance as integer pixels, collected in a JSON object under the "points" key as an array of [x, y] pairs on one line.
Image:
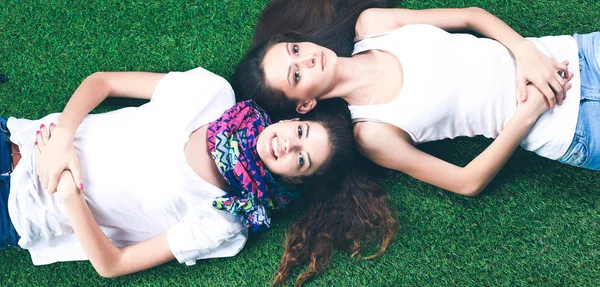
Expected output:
{"points": [[491, 26], [101, 252], [486, 165], [90, 93]]}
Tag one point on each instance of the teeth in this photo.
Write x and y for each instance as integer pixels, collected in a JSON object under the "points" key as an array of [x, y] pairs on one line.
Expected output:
{"points": [[275, 149]]}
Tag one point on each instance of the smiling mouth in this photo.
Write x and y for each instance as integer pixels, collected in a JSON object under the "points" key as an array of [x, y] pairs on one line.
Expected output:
{"points": [[322, 61], [274, 146]]}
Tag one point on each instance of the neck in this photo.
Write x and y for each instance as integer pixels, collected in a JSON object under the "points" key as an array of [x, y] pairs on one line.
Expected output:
{"points": [[354, 76]]}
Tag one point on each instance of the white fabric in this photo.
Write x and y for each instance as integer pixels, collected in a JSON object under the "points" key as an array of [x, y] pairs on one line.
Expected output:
{"points": [[460, 85], [137, 181]]}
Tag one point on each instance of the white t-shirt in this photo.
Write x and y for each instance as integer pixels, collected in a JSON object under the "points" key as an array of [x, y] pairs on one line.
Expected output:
{"points": [[460, 85], [137, 181]]}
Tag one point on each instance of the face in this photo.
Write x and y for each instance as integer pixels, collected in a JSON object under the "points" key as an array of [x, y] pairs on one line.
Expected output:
{"points": [[303, 71], [293, 148]]}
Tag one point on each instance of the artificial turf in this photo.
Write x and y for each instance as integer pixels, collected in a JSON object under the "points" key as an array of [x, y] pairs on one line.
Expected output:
{"points": [[537, 223]]}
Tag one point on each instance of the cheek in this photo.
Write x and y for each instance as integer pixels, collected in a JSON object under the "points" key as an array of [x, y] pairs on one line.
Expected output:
{"points": [[311, 83]]}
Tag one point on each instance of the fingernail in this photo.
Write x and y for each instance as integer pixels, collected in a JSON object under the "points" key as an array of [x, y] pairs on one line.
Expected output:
{"points": [[37, 132], [42, 126], [35, 143], [81, 186], [51, 124]]}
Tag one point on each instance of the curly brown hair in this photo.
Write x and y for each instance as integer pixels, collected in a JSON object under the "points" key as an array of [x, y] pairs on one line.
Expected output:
{"points": [[354, 215]]}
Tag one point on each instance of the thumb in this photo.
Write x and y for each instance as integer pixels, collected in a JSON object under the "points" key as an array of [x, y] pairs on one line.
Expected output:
{"points": [[75, 168], [522, 90]]}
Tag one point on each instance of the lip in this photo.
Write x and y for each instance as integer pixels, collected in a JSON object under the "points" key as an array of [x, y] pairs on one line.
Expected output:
{"points": [[322, 61], [271, 145]]}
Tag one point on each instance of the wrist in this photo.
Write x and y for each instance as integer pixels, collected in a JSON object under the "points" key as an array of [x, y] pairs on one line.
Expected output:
{"points": [[63, 132], [517, 47], [70, 196], [526, 116]]}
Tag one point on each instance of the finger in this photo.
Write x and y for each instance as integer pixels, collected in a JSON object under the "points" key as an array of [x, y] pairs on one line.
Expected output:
{"points": [[566, 70], [522, 90], [558, 87], [52, 182], [566, 83], [549, 94], [52, 125], [75, 168], [44, 134], [567, 87], [561, 66], [40, 134], [38, 151], [38, 137]]}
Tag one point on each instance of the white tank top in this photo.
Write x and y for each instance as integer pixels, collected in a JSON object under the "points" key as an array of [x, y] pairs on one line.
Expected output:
{"points": [[460, 85]]}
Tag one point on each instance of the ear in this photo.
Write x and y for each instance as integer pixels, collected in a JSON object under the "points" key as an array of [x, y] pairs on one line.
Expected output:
{"points": [[306, 106]]}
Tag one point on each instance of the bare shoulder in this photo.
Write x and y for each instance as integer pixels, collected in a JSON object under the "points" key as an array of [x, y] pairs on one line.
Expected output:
{"points": [[374, 20], [369, 136]]}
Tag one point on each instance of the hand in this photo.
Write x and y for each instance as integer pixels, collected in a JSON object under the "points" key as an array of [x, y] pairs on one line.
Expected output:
{"points": [[536, 103], [549, 76], [56, 153]]}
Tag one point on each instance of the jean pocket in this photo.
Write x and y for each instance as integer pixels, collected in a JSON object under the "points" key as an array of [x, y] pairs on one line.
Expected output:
{"points": [[577, 154]]}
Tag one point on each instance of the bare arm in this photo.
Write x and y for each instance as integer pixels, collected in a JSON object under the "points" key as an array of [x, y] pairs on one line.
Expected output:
{"points": [[90, 93], [107, 259], [469, 180], [532, 65]]}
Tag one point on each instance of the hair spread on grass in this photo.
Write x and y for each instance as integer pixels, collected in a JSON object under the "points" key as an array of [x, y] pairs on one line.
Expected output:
{"points": [[351, 211], [348, 219]]}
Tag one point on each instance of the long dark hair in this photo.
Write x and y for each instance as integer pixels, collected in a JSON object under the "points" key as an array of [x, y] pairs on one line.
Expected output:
{"points": [[348, 208], [346, 216], [334, 29]]}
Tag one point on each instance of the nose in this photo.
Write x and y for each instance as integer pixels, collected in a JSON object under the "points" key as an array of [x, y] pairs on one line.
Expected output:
{"points": [[290, 145], [310, 60]]}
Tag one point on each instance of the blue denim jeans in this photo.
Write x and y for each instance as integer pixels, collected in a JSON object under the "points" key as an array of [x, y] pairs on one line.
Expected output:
{"points": [[585, 147], [8, 234]]}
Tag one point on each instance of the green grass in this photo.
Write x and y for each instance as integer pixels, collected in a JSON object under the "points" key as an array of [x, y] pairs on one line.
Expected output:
{"points": [[537, 224]]}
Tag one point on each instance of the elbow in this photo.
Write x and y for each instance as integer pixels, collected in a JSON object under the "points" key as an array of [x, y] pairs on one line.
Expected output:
{"points": [[471, 185], [476, 10], [96, 76], [107, 272], [474, 15], [471, 190]]}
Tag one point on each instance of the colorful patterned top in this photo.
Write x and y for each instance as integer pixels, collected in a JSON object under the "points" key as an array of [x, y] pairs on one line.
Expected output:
{"points": [[253, 190]]}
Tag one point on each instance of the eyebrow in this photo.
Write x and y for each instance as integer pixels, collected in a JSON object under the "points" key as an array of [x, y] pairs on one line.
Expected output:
{"points": [[307, 129], [307, 153], [287, 49]]}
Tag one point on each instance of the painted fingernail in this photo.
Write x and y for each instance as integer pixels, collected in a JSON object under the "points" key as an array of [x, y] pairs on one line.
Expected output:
{"points": [[35, 143], [51, 124], [81, 186], [42, 126], [37, 132]]}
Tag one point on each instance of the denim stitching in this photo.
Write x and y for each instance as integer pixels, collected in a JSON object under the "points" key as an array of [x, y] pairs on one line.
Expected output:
{"points": [[579, 138]]}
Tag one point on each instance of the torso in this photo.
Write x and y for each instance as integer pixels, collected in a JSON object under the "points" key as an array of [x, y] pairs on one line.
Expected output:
{"points": [[200, 160], [457, 85], [387, 87]]}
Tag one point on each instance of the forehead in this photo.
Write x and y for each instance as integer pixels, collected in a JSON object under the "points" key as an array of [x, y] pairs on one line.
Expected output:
{"points": [[318, 144], [275, 64]]}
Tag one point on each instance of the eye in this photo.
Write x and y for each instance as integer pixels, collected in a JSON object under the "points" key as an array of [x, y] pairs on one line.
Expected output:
{"points": [[301, 160], [295, 49], [299, 131], [297, 76]]}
